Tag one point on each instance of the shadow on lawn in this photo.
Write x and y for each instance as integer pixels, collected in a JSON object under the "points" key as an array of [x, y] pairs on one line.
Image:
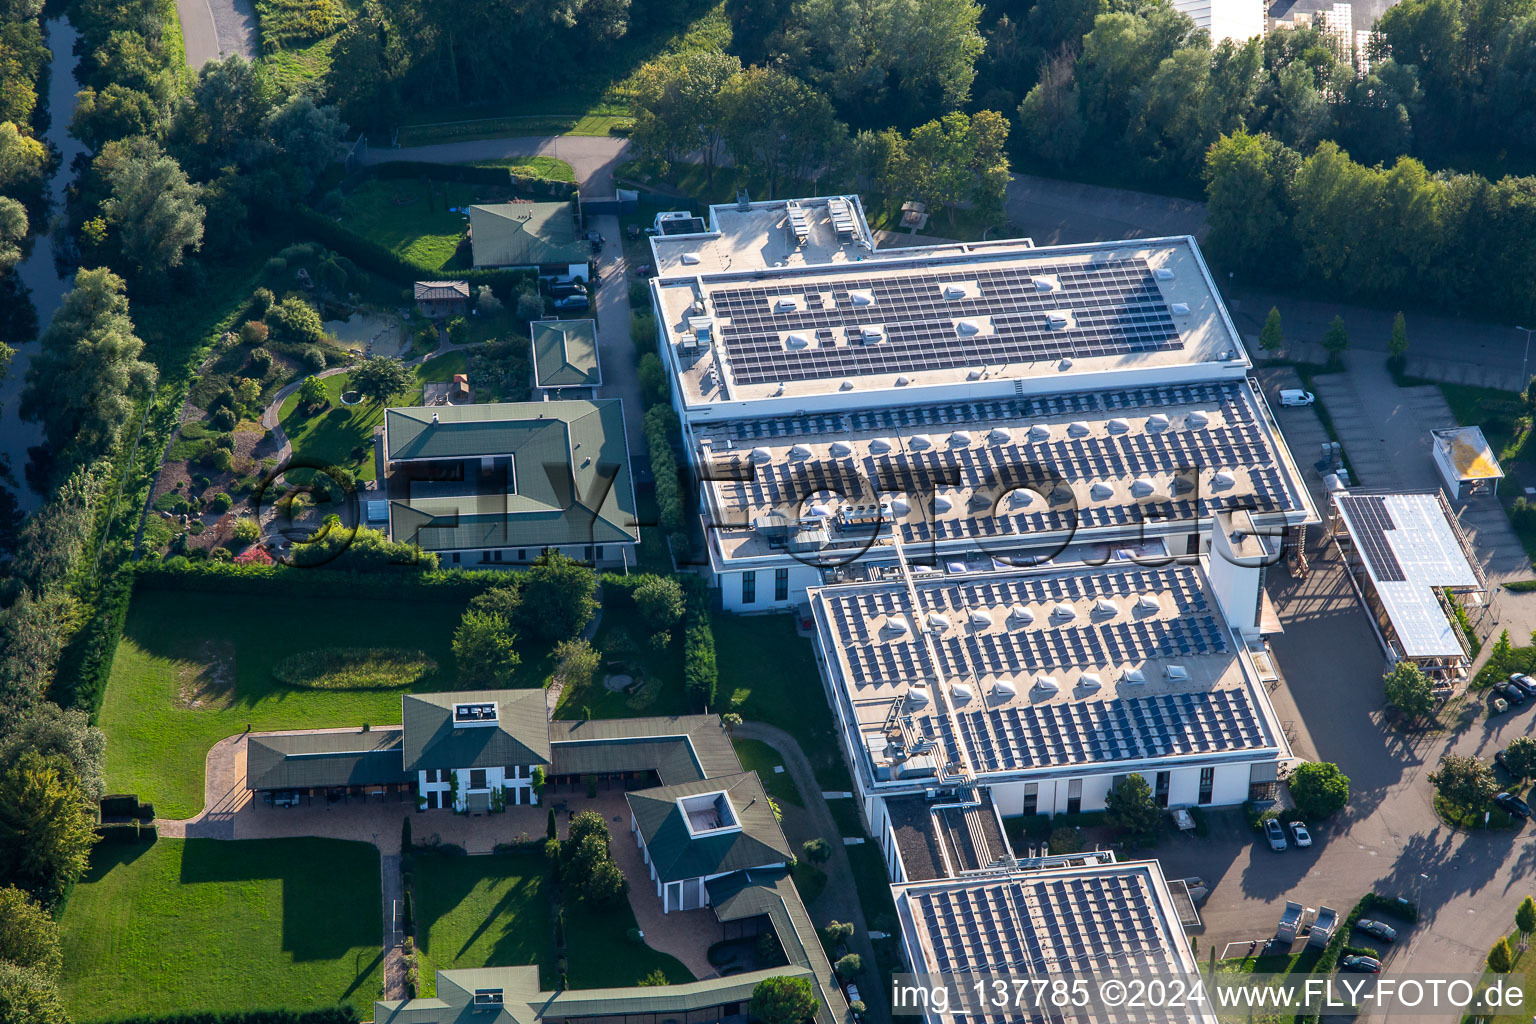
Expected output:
{"points": [[106, 856], [331, 889], [518, 922]]}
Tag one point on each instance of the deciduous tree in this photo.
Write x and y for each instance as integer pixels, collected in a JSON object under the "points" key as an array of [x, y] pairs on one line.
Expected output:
{"points": [[659, 600], [557, 596], [1520, 757], [677, 107], [1319, 789], [484, 649], [1270, 338], [29, 997], [47, 729], [778, 128], [380, 379], [783, 1000], [1464, 781], [28, 935], [151, 209], [1409, 691], [1130, 806]]}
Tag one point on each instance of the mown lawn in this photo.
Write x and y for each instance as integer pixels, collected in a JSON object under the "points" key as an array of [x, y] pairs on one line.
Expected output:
{"points": [[338, 435], [550, 168], [194, 668], [622, 637], [757, 756], [412, 218], [496, 912], [203, 924]]}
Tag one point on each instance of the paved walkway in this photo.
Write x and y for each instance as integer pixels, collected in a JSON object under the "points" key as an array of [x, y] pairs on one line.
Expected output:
{"points": [[1055, 212], [213, 29], [840, 900], [615, 348], [594, 159]]}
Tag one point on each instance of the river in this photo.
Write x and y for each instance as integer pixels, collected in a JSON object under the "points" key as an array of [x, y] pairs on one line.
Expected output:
{"points": [[39, 271]]}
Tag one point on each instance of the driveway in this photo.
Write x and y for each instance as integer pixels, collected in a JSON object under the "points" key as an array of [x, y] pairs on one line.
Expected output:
{"points": [[615, 349], [1054, 212], [1384, 428], [593, 158], [213, 29]]}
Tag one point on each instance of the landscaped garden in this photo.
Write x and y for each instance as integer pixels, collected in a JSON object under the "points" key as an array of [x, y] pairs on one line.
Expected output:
{"points": [[336, 435], [200, 924], [194, 668]]}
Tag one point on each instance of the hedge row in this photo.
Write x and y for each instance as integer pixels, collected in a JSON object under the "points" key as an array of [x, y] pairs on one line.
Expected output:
{"points": [[471, 174], [661, 426], [81, 681], [1329, 961], [329, 1015], [372, 256], [701, 675], [280, 580], [125, 832], [125, 807]]}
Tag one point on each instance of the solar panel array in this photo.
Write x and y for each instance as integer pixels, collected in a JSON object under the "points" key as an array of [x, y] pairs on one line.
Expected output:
{"points": [[1016, 737], [1115, 304], [1101, 922], [1237, 444], [1369, 522]]}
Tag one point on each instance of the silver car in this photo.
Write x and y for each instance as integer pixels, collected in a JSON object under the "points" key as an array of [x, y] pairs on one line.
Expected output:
{"points": [[1275, 834]]}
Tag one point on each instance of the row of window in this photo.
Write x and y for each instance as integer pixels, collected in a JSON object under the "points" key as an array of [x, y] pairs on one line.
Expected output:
{"points": [[477, 778], [590, 553], [1160, 784], [749, 586]]}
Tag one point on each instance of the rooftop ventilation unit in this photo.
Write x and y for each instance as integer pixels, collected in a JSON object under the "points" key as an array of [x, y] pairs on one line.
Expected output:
{"points": [[861, 297], [941, 503], [840, 449], [761, 455], [937, 620], [966, 328], [918, 697], [1141, 487], [920, 441], [800, 451], [1063, 612], [961, 693], [870, 335], [1101, 491], [1157, 421], [1047, 685], [960, 437], [1058, 319], [879, 446], [980, 619], [1176, 673], [1004, 690], [796, 341], [1090, 681], [1179, 309], [1118, 426], [1146, 603], [1133, 677], [999, 435], [954, 291], [799, 223], [1163, 273], [1196, 419], [902, 382], [1078, 428], [1039, 432], [897, 625], [1104, 608], [841, 212], [1018, 615], [1223, 479]]}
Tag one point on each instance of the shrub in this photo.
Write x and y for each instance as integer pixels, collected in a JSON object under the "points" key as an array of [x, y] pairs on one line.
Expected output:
{"points": [[222, 501], [660, 602], [701, 674], [1065, 840], [295, 320], [223, 418], [530, 306], [848, 967], [653, 380], [247, 530], [225, 441], [254, 333], [262, 298], [817, 851], [661, 426]]}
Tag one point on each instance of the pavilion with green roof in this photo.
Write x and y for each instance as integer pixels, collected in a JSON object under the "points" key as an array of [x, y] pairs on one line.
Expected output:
{"points": [[565, 354]]}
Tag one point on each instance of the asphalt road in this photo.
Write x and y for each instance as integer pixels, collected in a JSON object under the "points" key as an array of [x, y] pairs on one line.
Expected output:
{"points": [[212, 29], [592, 158]]}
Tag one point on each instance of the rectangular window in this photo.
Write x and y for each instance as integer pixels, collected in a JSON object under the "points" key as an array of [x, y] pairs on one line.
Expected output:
{"points": [[1075, 796], [781, 584], [455, 558], [749, 586], [522, 554], [587, 553], [1160, 788], [485, 556], [1031, 797], [498, 556], [599, 550], [477, 778], [1207, 784], [432, 800]]}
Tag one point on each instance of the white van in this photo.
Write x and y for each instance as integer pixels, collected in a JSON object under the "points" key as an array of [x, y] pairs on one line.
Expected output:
{"points": [[1296, 396]]}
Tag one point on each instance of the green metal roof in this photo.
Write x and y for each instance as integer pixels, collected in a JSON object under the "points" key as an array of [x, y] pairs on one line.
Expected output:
{"points": [[661, 999], [526, 235], [676, 853], [565, 354], [308, 760], [432, 741], [680, 749], [560, 476]]}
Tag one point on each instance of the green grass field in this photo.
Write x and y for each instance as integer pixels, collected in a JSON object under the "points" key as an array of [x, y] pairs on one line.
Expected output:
{"points": [[204, 924], [550, 168], [495, 912], [194, 668], [757, 756], [622, 637], [337, 434], [412, 219]]}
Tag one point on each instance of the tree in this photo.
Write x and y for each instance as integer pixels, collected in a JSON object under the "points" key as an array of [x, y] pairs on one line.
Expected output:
{"points": [[837, 932], [730, 720], [229, 103], [312, 394], [28, 935], [677, 107], [1525, 918], [296, 321], [152, 208], [1248, 204], [1319, 789], [1270, 338], [783, 1000], [405, 835], [46, 729], [1065, 839], [960, 159], [380, 378], [587, 823], [503, 599], [22, 159], [849, 966], [484, 648], [115, 111], [1336, 341], [551, 830], [1503, 650], [1464, 781], [655, 979], [659, 600], [1397, 345], [1130, 806], [576, 662], [1500, 959], [84, 381], [307, 136], [1520, 757], [603, 885], [29, 997], [817, 851], [558, 599], [777, 128], [13, 230], [1050, 116], [1409, 691], [46, 830]]}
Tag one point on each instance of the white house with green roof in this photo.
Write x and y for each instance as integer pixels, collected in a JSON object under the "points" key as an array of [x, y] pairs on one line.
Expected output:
{"points": [[523, 234], [498, 484], [466, 747], [564, 354]]}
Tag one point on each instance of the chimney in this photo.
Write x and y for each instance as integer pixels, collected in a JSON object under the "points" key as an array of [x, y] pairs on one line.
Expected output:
{"points": [[434, 419]]}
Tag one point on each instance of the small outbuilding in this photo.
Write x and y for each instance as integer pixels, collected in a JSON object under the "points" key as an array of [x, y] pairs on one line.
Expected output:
{"points": [[1466, 461], [565, 354], [440, 300]]}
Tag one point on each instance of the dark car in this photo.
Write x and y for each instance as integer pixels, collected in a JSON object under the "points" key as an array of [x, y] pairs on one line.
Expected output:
{"points": [[1525, 682], [1380, 929], [571, 303], [1361, 964], [1511, 804], [1501, 758], [1510, 692], [561, 289]]}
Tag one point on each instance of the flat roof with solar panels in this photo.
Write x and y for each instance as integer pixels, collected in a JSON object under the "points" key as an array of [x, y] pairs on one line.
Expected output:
{"points": [[990, 320], [1410, 547], [989, 674], [1020, 471], [1092, 918]]}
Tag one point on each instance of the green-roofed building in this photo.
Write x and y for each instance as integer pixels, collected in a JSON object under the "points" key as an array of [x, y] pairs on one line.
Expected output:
{"points": [[699, 831], [565, 354], [487, 740], [542, 235], [501, 483]]}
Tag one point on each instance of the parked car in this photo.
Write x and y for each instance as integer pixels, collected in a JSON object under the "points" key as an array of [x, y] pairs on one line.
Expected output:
{"points": [[285, 798], [1501, 758], [571, 303], [560, 289], [1275, 834], [1380, 929], [1299, 831], [1526, 683], [1511, 804], [1296, 396], [1510, 692], [1361, 964]]}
